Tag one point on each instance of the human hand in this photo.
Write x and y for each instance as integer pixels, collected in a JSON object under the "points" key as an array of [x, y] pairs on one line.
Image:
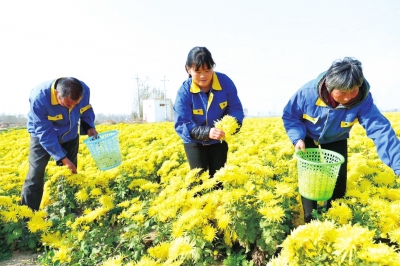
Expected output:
{"points": [[70, 165], [216, 133], [92, 132], [300, 145]]}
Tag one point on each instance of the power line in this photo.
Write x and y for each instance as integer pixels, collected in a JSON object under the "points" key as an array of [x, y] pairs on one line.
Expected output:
{"points": [[138, 97], [165, 97]]}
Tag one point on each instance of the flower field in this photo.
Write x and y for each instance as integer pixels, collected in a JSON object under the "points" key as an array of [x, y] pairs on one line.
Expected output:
{"points": [[152, 210]]}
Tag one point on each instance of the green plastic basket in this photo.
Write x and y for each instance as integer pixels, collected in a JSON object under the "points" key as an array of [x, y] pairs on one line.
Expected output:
{"points": [[105, 149], [317, 172]]}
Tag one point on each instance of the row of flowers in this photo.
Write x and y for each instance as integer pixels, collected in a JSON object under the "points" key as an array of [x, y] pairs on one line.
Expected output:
{"points": [[154, 210]]}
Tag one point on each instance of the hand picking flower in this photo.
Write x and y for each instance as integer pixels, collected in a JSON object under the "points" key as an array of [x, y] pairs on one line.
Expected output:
{"points": [[229, 125]]}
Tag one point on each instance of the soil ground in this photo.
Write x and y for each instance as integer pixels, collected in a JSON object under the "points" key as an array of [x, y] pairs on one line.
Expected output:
{"points": [[21, 258]]}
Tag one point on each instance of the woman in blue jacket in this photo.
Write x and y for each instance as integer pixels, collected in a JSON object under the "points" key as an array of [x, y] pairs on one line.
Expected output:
{"points": [[205, 97], [324, 110]]}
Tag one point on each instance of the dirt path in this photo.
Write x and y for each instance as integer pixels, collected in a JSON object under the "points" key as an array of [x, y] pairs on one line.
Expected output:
{"points": [[20, 258]]}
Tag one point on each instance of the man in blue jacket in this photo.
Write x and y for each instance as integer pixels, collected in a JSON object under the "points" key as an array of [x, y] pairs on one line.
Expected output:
{"points": [[57, 108], [323, 111]]}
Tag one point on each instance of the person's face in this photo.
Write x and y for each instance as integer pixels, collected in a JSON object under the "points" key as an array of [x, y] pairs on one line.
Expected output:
{"points": [[344, 97], [66, 102], [202, 76]]}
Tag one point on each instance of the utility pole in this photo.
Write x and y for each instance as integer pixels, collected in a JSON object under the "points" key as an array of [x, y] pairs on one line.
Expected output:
{"points": [[138, 98], [165, 98]]}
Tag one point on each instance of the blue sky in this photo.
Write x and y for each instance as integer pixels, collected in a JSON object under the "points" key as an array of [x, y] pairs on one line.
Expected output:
{"points": [[268, 48]]}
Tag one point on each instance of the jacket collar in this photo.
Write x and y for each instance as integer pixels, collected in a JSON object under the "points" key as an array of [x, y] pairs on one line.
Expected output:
{"points": [[215, 85], [54, 100]]}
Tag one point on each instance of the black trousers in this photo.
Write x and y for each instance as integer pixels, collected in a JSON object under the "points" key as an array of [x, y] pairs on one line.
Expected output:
{"points": [[340, 188], [32, 190], [207, 157]]}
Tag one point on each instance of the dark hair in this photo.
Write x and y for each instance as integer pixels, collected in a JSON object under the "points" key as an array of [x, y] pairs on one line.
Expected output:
{"points": [[344, 74], [69, 88], [199, 56]]}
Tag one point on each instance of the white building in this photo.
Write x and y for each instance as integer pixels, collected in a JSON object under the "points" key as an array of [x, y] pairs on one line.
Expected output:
{"points": [[157, 110]]}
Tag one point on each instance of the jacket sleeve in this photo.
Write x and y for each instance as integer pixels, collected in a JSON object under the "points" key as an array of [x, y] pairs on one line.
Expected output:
{"points": [[45, 131], [293, 116], [235, 107], [183, 122], [379, 129], [200, 133]]}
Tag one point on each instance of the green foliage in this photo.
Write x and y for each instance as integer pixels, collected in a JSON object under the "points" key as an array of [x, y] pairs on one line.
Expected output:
{"points": [[238, 258], [5, 247]]}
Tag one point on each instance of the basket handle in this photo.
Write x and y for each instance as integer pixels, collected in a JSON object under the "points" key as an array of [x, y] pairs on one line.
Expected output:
{"points": [[91, 138]]}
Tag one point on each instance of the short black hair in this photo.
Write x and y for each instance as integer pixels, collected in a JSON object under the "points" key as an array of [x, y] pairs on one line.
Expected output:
{"points": [[344, 74], [69, 88], [199, 56]]}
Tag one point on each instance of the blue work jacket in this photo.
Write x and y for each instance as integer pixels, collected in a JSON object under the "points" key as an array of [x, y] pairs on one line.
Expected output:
{"points": [[54, 124], [193, 107], [307, 115]]}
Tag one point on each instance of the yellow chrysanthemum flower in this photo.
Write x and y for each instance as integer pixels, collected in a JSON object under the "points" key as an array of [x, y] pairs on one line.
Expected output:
{"points": [[62, 255], [115, 261], [24, 211], [96, 192], [395, 236], [379, 254], [38, 222], [124, 204], [393, 194], [81, 195], [227, 238], [384, 178], [146, 261], [265, 195], [5, 201], [81, 235], [208, 232], [365, 185], [229, 125], [223, 220], [132, 210], [340, 213], [107, 201], [9, 216], [139, 218], [285, 189], [272, 213], [349, 239], [160, 251], [150, 186], [137, 183], [181, 247], [52, 239], [231, 174]]}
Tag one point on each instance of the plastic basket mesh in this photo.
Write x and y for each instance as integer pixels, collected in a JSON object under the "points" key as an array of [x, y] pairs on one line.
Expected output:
{"points": [[317, 172], [105, 149]]}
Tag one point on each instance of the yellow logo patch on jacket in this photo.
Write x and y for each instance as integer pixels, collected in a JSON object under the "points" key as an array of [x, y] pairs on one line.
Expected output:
{"points": [[223, 104], [348, 124], [55, 118], [309, 118], [83, 109], [198, 111]]}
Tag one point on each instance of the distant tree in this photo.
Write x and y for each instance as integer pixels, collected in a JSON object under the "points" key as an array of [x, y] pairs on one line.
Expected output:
{"points": [[13, 119], [112, 118], [145, 93], [246, 111]]}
